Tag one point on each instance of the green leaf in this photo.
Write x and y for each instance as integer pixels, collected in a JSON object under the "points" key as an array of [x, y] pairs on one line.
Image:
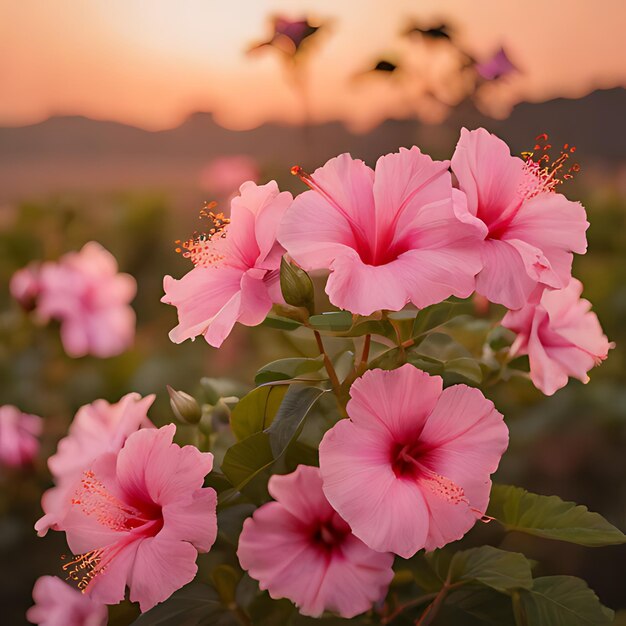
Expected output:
{"points": [[286, 369], [370, 327], [256, 410], [434, 316], [247, 459], [251, 456], [474, 605], [550, 517], [498, 569], [280, 322], [465, 366], [560, 601], [296, 286], [335, 321], [291, 415], [192, 605]]}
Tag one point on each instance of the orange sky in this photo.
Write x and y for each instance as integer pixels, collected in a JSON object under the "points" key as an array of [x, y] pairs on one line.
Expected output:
{"points": [[151, 62]]}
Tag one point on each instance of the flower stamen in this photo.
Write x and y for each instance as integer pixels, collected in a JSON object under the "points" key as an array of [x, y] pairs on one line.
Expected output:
{"points": [[205, 248], [544, 173]]}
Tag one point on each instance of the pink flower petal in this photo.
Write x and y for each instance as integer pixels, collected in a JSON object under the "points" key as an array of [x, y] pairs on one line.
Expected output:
{"points": [[160, 568]]}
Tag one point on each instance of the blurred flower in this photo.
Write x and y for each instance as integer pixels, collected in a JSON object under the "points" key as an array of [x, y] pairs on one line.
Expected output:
{"points": [[560, 335], [497, 66], [532, 231], [300, 548], [59, 604], [410, 469], [389, 237], [289, 35], [19, 436], [85, 292], [236, 273], [25, 286], [139, 518], [225, 174], [98, 428]]}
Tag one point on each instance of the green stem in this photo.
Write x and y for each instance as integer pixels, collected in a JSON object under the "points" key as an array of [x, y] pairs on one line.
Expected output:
{"points": [[408, 605], [328, 364], [364, 355], [431, 610]]}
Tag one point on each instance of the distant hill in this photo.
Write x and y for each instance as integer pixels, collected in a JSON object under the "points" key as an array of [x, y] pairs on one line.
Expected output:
{"points": [[76, 153]]}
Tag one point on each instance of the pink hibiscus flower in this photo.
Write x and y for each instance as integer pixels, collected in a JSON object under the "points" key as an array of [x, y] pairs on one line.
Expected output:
{"points": [[299, 548], [388, 237], [19, 436], [58, 604], [139, 518], [560, 335], [411, 468], [225, 174], [533, 231], [97, 428], [25, 286], [236, 273], [85, 292]]}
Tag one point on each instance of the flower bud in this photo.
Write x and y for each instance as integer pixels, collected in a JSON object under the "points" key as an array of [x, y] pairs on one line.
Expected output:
{"points": [[185, 407], [296, 286]]}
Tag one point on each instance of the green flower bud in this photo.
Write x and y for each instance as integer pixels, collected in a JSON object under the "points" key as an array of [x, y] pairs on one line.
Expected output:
{"points": [[185, 407], [296, 286]]}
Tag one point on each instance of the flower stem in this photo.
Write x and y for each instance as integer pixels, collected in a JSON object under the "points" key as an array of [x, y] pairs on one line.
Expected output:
{"points": [[431, 610], [408, 605], [364, 355], [328, 364]]}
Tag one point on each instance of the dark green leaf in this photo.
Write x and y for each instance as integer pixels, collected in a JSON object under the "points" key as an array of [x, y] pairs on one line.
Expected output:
{"points": [[434, 316], [251, 456], [561, 601], [256, 410], [230, 521], [280, 322], [335, 321], [498, 569], [370, 327], [189, 606], [550, 517], [291, 415], [286, 369], [247, 459], [474, 605]]}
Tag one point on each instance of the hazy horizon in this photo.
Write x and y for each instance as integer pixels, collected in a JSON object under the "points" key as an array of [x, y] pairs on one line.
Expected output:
{"points": [[153, 64]]}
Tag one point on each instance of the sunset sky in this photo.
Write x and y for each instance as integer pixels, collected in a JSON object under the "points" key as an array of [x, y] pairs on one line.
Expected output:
{"points": [[150, 63]]}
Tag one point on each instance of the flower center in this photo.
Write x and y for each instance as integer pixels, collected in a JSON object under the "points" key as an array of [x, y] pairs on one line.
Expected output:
{"points": [[377, 251], [541, 174], [136, 520], [207, 248], [330, 534], [95, 499], [410, 462]]}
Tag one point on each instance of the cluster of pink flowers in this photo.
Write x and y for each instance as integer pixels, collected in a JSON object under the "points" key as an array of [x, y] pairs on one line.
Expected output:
{"points": [[400, 234], [132, 506], [89, 297], [410, 468]]}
